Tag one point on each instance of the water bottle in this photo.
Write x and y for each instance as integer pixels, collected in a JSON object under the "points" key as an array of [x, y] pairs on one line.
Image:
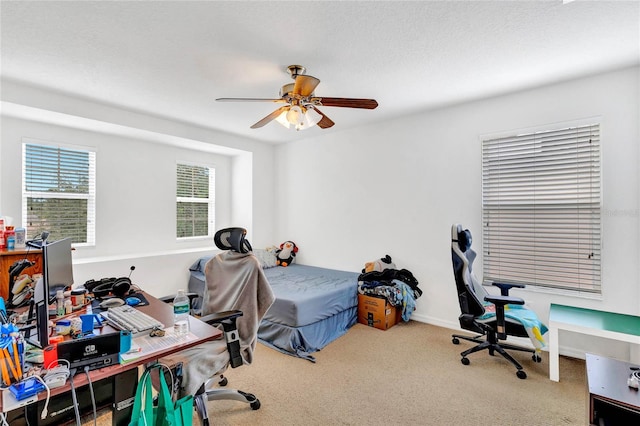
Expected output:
{"points": [[181, 314], [59, 303]]}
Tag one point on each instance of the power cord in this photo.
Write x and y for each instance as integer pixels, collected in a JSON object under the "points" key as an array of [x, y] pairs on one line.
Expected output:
{"points": [[74, 396], [93, 399], [44, 413], [45, 410], [58, 375]]}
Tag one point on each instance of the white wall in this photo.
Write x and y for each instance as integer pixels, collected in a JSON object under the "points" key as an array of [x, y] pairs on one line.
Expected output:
{"points": [[397, 187], [350, 197], [135, 177]]}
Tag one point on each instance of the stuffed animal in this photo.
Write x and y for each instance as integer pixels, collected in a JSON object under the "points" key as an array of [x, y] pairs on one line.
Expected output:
{"points": [[286, 253], [379, 265]]}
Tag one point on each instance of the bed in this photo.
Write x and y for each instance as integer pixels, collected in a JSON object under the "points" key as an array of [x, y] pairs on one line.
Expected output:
{"points": [[313, 306]]}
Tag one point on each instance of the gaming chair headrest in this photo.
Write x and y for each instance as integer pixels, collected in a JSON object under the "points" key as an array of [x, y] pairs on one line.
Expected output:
{"points": [[232, 239], [463, 237]]}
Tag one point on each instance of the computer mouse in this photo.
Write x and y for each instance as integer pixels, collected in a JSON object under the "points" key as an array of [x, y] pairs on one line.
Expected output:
{"points": [[132, 301], [112, 302]]}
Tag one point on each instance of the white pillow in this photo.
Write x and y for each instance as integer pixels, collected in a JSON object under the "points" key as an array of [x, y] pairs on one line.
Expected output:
{"points": [[266, 258]]}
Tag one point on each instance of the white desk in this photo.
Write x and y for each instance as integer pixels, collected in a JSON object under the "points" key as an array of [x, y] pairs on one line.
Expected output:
{"points": [[625, 328]]}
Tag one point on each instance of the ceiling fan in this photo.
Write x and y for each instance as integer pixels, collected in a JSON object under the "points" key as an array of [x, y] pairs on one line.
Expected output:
{"points": [[301, 109]]}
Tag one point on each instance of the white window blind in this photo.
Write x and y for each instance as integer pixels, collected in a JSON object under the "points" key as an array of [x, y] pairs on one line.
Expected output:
{"points": [[58, 192], [195, 206], [542, 208]]}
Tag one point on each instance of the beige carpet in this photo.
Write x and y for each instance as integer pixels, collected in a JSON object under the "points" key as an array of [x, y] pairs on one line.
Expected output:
{"points": [[410, 374]]}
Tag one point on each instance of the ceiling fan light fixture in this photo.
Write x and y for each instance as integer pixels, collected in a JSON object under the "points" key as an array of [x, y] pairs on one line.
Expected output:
{"points": [[295, 116], [282, 119], [312, 117], [299, 119]]}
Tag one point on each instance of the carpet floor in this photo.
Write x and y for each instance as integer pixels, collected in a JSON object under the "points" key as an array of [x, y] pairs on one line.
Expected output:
{"points": [[410, 374]]}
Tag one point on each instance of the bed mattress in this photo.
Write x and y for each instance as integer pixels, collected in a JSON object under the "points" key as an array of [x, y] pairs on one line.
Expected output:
{"points": [[308, 294]]}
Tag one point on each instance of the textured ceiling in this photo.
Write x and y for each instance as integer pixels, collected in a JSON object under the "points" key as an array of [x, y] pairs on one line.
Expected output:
{"points": [[172, 59]]}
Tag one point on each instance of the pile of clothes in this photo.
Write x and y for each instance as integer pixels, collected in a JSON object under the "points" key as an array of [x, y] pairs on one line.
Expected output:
{"points": [[399, 286]]}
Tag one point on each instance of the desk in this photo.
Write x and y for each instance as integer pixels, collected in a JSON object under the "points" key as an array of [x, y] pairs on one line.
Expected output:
{"points": [[625, 328], [611, 401], [164, 313]]}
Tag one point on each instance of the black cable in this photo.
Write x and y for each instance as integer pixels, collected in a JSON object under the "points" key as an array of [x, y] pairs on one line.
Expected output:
{"points": [[93, 399], [74, 397]]}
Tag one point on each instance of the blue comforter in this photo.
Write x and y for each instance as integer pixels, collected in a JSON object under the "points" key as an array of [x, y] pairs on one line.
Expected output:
{"points": [[307, 294]]}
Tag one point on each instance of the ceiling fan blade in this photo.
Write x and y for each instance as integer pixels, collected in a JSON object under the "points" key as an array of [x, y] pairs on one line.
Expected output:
{"points": [[248, 100], [305, 85], [347, 102], [270, 117], [325, 122]]}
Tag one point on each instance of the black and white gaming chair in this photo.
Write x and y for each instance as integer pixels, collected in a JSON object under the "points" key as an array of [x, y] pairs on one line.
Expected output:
{"points": [[473, 315]]}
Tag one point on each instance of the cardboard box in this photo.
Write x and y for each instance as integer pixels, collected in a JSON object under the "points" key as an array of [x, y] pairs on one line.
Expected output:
{"points": [[377, 312]]}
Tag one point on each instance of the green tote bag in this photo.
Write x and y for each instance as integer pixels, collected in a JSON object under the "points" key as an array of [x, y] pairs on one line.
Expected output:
{"points": [[166, 412]]}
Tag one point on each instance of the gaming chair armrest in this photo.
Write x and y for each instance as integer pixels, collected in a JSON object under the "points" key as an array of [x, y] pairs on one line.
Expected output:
{"points": [[169, 299], [499, 302], [504, 287], [504, 300], [221, 317], [228, 321]]}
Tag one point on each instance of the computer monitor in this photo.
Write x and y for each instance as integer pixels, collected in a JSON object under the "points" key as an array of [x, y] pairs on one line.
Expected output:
{"points": [[57, 266], [57, 273]]}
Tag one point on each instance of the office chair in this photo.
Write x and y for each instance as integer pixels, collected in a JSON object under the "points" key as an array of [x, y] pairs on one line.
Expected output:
{"points": [[237, 295], [477, 316]]}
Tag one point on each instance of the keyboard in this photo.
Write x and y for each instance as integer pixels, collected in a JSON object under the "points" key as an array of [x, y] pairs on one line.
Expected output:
{"points": [[128, 318]]}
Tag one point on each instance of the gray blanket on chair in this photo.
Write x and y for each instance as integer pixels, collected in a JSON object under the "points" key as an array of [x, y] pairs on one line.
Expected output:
{"points": [[233, 281]]}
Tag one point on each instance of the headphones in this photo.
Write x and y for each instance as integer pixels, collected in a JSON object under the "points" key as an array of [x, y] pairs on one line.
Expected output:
{"points": [[119, 287]]}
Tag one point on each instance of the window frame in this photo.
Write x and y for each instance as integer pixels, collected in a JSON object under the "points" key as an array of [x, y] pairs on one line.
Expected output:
{"points": [[587, 272], [210, 201], [90, 196]]}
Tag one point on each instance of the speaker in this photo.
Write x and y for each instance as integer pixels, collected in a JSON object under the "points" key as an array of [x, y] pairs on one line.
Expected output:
{"points": [[50, 356]]}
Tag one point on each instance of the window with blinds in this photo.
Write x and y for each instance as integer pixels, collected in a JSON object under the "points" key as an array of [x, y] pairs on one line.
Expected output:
{"points": [[58, 192], [541, 205], [195, 205]]}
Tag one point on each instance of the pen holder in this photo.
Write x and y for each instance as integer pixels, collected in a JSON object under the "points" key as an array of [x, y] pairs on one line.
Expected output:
{"points": [[10, 365]]}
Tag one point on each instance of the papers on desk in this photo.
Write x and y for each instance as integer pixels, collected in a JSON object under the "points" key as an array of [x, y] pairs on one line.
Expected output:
{"points": [[147, 345]]}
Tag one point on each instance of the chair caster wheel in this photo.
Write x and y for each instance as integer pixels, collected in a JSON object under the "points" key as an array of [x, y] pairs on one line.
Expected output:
{"points": [[223, 381], [465, 361], [455, 341], [521, 374], [255, 404], [536, 358]]}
